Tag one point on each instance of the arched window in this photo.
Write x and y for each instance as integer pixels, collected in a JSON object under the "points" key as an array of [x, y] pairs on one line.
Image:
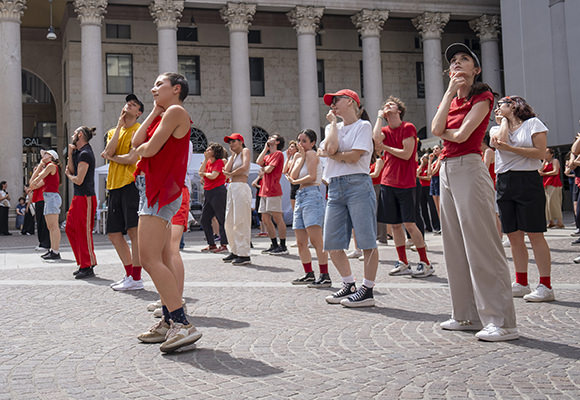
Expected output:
{"points": [[34, 91], [259, 139], [198, 140]]}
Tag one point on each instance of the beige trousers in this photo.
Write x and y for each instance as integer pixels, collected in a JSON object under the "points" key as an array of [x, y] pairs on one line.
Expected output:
{"points": [[479, 278], [553, 203], [239, 218]]}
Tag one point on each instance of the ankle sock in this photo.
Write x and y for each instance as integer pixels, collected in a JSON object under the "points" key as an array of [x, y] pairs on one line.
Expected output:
{"points": [[522, 278], [178, 316], [136, 274], [307, 267], [348, 279], [402, 253], [128, 270], [423, 255], [323, 268], [283, 243], [546, 281], [166, 316], [368, 283]]}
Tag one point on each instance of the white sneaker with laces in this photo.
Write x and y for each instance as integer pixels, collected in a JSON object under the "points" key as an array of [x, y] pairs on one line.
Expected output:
{"points": [[129, 284], [519, 290], [455, 325], [401, 269], [119, 281], [423, 270], [541, 293], [179, 335], [493, 333], [354, 254]]}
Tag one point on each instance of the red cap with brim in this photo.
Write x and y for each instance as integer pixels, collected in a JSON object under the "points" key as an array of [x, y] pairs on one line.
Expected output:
{"points": [[344, 92], [234, 136]]}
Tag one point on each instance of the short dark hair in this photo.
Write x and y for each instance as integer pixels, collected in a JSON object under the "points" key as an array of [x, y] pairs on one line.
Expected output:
{"points": [[280, 139], [2, 184], [218, 150], [178, 79], [400, 105], [88, 132]]}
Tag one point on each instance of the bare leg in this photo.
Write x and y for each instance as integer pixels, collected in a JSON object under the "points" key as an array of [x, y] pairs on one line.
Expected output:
{"points": [[415, 233], [372, 263], [436, 200], [302, 241], [398, 234], [541, 253], [519, 251], [121, 247], [132, 232], [279, 219], [340, 261], [315, 235], [267, 221], [54, 230]]}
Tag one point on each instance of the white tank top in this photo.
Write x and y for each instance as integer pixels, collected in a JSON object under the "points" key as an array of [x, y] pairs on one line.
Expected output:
{"points": [[304, 172], [237, 161]]}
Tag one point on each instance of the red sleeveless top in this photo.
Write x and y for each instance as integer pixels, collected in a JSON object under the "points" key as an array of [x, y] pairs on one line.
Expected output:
{"points": [[553, 180], [165, 171], [51, 182]]}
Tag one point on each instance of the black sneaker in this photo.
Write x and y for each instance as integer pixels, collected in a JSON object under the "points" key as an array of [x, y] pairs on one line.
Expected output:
{"points": [[279, 251], [51, 256], [322, 281], [575, 242], [229, 258], [241, 261], [269, 249], [77, 271], [347, 290], [85, 273], [362, 298], [305, 280], [46, 254]]}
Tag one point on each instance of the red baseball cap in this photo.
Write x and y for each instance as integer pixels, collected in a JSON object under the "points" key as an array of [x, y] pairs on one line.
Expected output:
{"points": [[344, 92], [234, 136]]}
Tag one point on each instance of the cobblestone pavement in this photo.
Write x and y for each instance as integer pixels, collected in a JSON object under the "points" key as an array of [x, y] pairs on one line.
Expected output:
{"points": [[264, 338]]}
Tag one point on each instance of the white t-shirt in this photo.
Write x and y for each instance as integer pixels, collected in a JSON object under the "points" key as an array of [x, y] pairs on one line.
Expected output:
{"points": [[356, 136], [521, 137]]}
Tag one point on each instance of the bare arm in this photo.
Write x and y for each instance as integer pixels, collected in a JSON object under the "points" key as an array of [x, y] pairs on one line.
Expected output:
{"points": [[260, 159], [537, 152], [79, 178], [406, 152], [130, 158], [379, 164], [311, 161], [37, 181], [576, 145], [350, 156], [488, 157], [471, 121], [378, 135], [175, 122], [331, 139]]}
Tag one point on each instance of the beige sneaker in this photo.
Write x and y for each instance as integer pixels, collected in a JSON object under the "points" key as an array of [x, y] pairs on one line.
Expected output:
{"points": [[154, 306], [158, 313], [179, 335], [155, 334]]}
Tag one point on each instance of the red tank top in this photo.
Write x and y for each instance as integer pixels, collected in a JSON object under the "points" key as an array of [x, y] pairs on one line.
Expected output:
{"points": [[38, 195], [553, 180], [51, 182], [423, 172], [165, 171], [377, 180]]}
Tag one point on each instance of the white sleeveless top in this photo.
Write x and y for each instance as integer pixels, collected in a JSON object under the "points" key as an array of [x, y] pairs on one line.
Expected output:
{"points": [[304, 172], [237, 161]]}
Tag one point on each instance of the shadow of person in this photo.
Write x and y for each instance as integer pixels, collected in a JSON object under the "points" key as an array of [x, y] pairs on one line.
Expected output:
{"points": [[220, 362], [560, 349], [405, 315], [216, 322], [264, 268]]}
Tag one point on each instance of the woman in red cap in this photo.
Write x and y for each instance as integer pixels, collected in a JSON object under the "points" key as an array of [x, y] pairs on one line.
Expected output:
{"points": [[479, 278], [351, 197]]}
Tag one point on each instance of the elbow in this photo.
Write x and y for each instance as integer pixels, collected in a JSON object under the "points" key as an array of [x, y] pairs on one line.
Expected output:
{"points": [[436, 131]]}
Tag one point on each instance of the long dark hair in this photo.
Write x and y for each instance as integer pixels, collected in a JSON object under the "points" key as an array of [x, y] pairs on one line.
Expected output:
{"points": [[520, 107], [311, 136]]}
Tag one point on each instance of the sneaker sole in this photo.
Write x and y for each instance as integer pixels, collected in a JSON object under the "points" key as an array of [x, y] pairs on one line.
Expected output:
{"points": [[400, 273], [422, 275], [511, 336], [127, 289], [538, 300], [242, 263], [302, 283], [463, 328], [356, 304], [186, 341], [158, 339], [336, 300], [322, 285], [520, 294]]}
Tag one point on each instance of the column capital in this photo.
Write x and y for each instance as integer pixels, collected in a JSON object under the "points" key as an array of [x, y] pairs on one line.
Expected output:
{"points": [[90, 12], [12, 10], [305, 19], [486, 27], [166, 13], [370, 22], [238, 16], [431, 24]]}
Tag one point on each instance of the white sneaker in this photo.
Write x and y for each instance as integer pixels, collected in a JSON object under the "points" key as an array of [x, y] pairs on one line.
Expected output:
{"points": [[129, 284], [506, 243], [577, 260], [455, 325], [119, 281], [158, 312], [38, 248], [519, 290], [492, 333], [179, 335], [423, 270], [401, 269], [541, 293], [154, 306], [361, 258], [354, 254]]}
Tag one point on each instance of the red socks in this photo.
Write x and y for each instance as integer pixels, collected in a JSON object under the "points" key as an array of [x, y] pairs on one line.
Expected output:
{"points": [[136, 274], [323, 268], [423, 255], [546, 281], [522, 278], [402, 252], [128, 270], [307, 267]]}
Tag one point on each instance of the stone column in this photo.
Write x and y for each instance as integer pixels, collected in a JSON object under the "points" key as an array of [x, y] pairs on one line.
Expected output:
{"points": [[11, 98], [166, 14], [487, 29], [562, 78], [90, 13], [238, 17], [305, 21], [431, 25], [370, 24]]}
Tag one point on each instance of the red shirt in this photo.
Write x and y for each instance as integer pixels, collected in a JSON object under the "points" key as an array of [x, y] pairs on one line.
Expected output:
{"points": [[51, 182], [397, 172], [492, 173], [217, 165], [38, 195], [457, 112], [377, 180], [553, 180], [423, 172], [271, 182]]}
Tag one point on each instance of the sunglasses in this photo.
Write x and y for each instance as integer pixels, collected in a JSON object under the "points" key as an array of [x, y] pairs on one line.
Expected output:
{"points": [[336, 98], [501, 103]]}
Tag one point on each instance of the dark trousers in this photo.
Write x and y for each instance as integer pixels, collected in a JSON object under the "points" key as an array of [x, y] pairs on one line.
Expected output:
{"points": [[28, 225], [428, 210], [214, 205], [4, 220], [42, 230], [577, 209], [418, 219]]}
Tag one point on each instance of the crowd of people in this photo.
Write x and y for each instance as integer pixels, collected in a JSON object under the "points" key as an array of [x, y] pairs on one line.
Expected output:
{"points": [[380, 185]]}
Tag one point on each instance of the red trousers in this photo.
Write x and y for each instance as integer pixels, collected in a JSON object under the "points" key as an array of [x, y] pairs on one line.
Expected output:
{"points": [[80, 221]]}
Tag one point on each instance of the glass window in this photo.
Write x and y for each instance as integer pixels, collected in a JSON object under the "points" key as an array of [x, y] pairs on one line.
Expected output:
{"points": [[320, 72], [186, 34], [257, 76], [188, 66], [198, 140], [259, 139], [34, 91], [116, 31], [254, 36], [420, 71], [362, 80], [119, 73]]}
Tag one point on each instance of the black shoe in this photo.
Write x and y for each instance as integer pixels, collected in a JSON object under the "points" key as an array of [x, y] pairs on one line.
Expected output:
{"points": [[362, 298], [305, 280], [51, 256], [269, 249], [575, 242], [7, 234], [45, 254], [229, 258], [347, 290], [279, 251], [77, 271], [85, 273], [241, 261], [322, 281]]}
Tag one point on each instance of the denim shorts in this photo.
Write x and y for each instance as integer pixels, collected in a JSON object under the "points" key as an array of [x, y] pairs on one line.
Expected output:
{"points": [[352, 204], [166, 212], [434, 186], [309, 208], [52, 203]]}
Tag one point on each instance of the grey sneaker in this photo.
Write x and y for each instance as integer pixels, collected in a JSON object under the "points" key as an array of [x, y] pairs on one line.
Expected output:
{"points": [[401, 269], [155, 334], [179, 335]]}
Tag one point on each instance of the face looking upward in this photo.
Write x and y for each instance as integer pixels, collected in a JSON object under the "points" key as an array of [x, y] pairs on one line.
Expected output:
{"points": [[163, 92], [462, 64]]}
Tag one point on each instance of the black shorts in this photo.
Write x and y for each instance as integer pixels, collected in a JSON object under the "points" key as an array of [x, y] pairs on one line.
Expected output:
{"points": [[123, 206], [396, 205], [293, 190], [521, 201]]}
